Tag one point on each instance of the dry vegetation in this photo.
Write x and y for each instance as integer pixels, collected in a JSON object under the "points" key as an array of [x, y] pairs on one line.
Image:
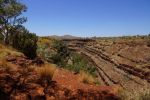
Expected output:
{"points": [[5, 51], [86, 78], [142, 94], [46, 72], [45, 48]]}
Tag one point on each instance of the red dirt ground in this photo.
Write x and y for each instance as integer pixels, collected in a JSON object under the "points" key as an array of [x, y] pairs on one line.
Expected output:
{"points": [[72, 81]]}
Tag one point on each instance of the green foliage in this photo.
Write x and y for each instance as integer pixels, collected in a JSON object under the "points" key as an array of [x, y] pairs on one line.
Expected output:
{"points": [[61, 48], [57, 52], [44, 49], [52, 50], [80, 63], [10, 16], [11, 10], [25, 42], [62, 53], [44, 52]]}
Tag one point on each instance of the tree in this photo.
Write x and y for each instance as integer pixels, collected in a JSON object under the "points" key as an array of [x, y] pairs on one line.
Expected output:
{"points": [[10, 17]]}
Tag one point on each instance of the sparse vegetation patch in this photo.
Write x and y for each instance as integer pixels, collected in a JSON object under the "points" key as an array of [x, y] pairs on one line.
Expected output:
{"points": [[87, 78], [46, 72]]}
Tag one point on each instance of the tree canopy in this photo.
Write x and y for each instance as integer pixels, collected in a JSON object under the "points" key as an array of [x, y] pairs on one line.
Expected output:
{"points": [[11, 16], [11, 29]]}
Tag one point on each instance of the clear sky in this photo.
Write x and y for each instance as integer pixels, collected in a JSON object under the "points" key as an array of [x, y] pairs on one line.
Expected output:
{"points": [[88, 17]]}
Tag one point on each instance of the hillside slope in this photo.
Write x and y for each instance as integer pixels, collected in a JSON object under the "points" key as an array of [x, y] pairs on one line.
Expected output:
{"points": [[25, 79]]}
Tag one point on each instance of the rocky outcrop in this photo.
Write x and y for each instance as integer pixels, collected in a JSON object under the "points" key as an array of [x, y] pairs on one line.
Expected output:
{"points": [[24, 61]]}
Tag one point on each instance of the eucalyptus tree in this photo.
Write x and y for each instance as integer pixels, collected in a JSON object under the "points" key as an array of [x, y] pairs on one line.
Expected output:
{"points": [[11, 16]]}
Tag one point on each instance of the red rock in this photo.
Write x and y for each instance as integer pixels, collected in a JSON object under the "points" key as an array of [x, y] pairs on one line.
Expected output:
{"points": [[16, 76], [32, 78], [37, 92], [31, 86], [7, 88], [11, 58], [4, 75], [19, 96], [61, 94], [50, 97]]}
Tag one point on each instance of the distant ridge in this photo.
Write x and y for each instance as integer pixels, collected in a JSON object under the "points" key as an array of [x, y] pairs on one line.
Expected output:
{"points": [[65, 37]]}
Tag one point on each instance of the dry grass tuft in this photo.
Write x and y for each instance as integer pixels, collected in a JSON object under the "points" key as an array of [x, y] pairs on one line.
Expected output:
{"points": [[46, 72], [5, 51], [123, 94], [86, 78]]}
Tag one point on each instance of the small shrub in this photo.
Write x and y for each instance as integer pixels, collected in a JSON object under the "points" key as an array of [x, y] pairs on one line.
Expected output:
{"points": [[46, 72], [62, 53], [97, 82], [44, 48], [80, 63]]}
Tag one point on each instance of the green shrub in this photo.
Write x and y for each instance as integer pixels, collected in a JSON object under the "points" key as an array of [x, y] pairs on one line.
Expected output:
{"points": [[80, 63], [61, 48], [59, 54], [44, 48], [62, 53], [25, 42]]}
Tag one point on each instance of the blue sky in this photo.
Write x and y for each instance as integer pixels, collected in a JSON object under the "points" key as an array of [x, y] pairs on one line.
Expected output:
{"points": [[88, 17]]}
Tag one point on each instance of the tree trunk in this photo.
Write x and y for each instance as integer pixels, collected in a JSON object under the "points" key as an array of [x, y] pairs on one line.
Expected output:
{"points": [[6, 33], [6, 39]]}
